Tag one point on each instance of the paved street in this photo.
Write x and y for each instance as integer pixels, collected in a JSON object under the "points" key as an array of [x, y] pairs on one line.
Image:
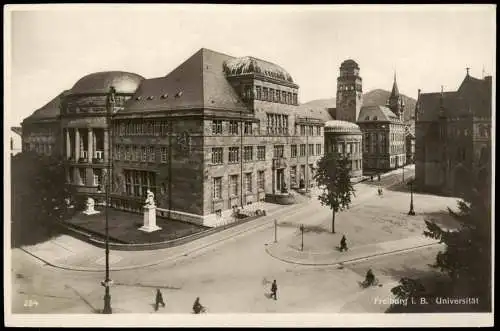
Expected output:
{"points": [[230, 277]]}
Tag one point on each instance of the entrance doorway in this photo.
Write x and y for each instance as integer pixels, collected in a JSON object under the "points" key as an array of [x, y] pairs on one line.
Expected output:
{"points": [[280, 179]]}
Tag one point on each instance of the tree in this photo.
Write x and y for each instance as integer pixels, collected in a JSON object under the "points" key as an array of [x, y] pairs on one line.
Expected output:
{"points": [[333, 177], [39, 193], [467, 257]]}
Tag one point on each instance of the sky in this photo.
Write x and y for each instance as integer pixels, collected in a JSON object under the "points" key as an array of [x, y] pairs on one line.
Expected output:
{"points": [[49, 47]]}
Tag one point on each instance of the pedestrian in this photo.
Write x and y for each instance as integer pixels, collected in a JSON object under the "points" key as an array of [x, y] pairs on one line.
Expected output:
{"points": [[378, 176], [371, 178], [369, 278], [159, 300], [197, 307], [343, 243], [274, 290]]}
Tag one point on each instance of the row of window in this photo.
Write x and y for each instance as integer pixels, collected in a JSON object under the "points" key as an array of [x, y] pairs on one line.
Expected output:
{"points": [[344, 147], [40, 148], [81, 178], [234, 182], [277, 124], [138, 182], [302, 150], [248, 152], [140, 153], [270, 94]]}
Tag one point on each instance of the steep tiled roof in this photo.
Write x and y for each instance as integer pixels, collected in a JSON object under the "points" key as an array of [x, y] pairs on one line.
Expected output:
{"points": [[376, 114], [430, 105], [197, 83], [252, 65], [50, 111]]}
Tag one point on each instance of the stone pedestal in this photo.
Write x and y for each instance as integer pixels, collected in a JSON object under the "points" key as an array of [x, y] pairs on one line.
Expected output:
{"points": [[149, 220]]}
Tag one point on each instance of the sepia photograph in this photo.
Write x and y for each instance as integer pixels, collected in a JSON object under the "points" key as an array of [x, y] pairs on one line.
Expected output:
{"points": [[249, 165]]}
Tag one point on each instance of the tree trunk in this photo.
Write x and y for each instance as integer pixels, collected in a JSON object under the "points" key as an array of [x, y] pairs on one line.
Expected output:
{"points": [[333, 222]]}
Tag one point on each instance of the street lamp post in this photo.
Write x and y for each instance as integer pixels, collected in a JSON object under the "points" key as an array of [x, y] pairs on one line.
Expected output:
{"points": [[412, 211], [302, 235], [107, 282], [275, 231]]}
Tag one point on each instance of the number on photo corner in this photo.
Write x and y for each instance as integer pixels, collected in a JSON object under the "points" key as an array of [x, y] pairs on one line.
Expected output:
{"points": [[30, 303]]}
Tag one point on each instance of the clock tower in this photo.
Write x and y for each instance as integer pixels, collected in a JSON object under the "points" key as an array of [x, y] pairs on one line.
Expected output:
{"points": [[349, 92]]}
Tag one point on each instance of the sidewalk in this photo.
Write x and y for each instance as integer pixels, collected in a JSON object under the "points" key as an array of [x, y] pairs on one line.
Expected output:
{"points": [[288, 254], [66, 252]]}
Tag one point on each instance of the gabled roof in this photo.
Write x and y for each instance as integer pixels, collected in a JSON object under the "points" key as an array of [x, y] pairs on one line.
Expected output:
{"points": [[50, 111], [197, 83], [430, 105], [376, 114], [17, 129]]}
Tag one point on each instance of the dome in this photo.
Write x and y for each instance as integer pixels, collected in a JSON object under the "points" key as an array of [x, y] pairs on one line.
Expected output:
{"points": [[349, 64], [100, 82], [251, 65], [341, 126]]}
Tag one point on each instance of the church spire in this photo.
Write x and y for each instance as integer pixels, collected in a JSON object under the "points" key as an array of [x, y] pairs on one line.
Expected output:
{"points": [[395, 90]]}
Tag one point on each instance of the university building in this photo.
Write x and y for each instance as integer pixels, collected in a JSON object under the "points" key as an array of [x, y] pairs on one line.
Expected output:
{"points": [[453, 138], [384, 133], [217, 132]]}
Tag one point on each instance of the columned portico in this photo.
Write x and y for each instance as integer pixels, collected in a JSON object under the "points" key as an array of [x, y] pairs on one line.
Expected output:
{"points": [[90, 143], [77, 144]]}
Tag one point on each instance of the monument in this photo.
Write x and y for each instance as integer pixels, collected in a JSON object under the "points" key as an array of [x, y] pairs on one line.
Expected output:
{"points": [[150, 214], [89, 207]]}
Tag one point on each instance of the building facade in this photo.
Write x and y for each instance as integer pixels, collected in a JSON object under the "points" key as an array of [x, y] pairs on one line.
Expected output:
{"points": [[345, 138], [217, 132], [453, 138], [382, 127]]}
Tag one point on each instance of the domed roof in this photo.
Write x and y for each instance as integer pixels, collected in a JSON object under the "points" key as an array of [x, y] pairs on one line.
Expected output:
{"points": [[341, 126], [350, 64], [251, 65], [100, 82]]}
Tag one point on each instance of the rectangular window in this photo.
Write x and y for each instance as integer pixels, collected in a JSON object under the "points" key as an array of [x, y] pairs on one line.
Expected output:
{"points": [[302, 150], [340, 148], [144, 182], [318, 130], [151, 154], [311, 130], [318, 149], [277, 97], [271, 94], [248, 182], [233, 185], [261, 180], [279, 151], [83, 176], [164, 154], [247, 153], [234, 153], [217, 127], [311, 149], [295, 100], [217, 154], [128, 154], [144, 154], [217, 193], [258, 92], [261, 153], [116, 152], [289, 98], [293, 150], [302, 130], [283, 97], [128, 182], [348, 148], [265, 92], [136, 178], [248, 128], [293, 175], [233, 127]]}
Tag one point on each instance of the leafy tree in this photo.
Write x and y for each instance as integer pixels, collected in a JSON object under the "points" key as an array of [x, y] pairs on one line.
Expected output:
{"points": [[39, 193], [333, 177]]}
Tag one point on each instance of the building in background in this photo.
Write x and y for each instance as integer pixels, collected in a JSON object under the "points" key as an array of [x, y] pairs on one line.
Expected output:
{"points": [[345, 138], [453, 138], [15, 140], [383, 128], [217, 132]]}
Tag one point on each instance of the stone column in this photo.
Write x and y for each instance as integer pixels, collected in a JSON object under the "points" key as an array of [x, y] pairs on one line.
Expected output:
{"points": [[77, 144], [90, 142], [106, 145], [68, 144]]}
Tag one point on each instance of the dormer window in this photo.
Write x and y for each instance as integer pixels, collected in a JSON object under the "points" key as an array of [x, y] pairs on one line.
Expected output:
{"points": [[367, 118], [178, 94], [374, 118], [150, 97], [164, 96], [138, 98]]}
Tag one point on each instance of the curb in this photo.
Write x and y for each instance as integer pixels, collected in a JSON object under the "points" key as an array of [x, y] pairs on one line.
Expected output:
{"points": [[262, 224], [354, 259]]}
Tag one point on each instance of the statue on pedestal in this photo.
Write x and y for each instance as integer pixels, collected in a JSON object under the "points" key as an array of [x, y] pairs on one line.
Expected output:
{"points": [[89, 207], [150, 199]]}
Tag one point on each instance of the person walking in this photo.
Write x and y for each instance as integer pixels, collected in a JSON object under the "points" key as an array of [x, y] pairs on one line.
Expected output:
{"points": [[274, 290], [197, 307], [343, 244], [159, 300]]}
